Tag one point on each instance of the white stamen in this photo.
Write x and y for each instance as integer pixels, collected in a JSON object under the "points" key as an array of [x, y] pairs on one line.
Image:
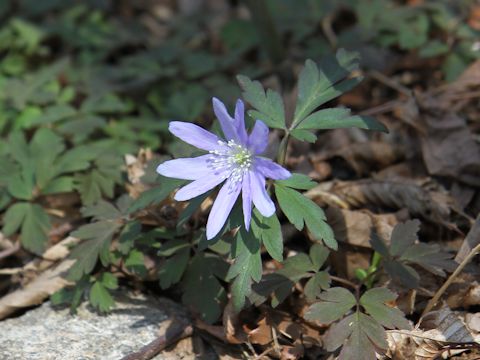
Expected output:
{"points": [[233, 159]]}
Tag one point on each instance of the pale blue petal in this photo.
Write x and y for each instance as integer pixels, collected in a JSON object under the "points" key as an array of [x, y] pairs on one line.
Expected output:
{"points": [[226, 121], [194, 135], [186, 168], [198, 187], [258, 139], [271, 170], [247, 199], [240, 122], [260, 197], [222, 207]]}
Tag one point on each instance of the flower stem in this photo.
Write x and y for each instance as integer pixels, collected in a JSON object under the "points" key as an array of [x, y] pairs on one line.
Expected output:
{"points": [[282, 149]]}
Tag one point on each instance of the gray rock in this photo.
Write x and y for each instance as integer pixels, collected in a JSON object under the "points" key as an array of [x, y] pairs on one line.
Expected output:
{"points": [[48, 334]]}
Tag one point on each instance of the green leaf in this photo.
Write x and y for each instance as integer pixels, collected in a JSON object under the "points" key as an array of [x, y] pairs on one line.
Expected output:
{"points": [[109, 280], [373, 301], [190, 209], [156, 194], [54, 114], [403, 236], [22, 185], [304, 135], [93, 185], [171, 271], [326, 119], [363, 337], [269, 231], [299, 210], [45, 147], [316, 87], [59, 185], [135, 262], [268, 105], [201, 278], [35, 227], [97, 238], [318, 255], [246, 268], [318, 282], [298, 181], [335, 302], [101, 210], [100, 298], [130, 232], [13, 218], [279, 284]]}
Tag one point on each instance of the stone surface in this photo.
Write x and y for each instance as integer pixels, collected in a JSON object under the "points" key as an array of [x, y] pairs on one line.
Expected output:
{"points": [[48, 334]]}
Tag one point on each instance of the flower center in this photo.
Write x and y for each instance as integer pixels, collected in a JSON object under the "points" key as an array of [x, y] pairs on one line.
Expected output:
{"points": [[235, 159]]}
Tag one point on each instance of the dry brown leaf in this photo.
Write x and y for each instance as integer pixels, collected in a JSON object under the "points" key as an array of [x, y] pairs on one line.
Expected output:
{"points": [[431, 205], [36, 291], [363, 157], [42, 278], [441, 332]]}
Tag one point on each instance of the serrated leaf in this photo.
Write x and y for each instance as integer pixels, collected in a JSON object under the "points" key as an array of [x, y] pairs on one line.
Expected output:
{"points": [[246, 268], [109, 280], [373, 301], [304, 135], [318, 255], [130, 232], [59, 185], [171, 271], [404, 274], [318, 282], [190, 209], [333, 304], [93, 185], [101, 210], [22, 185], [324, 116], [135, 262], [270, 233], [298, 181], [201, 278], [403, 236], [97, 238], [156, 194], [13, 218], [299, 210], [316, 87], [319, 121], [35, 227], [100, 298], [268, 105]]}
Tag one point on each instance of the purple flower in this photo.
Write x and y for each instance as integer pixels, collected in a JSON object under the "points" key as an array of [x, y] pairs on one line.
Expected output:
{"points": [[234, 160]]}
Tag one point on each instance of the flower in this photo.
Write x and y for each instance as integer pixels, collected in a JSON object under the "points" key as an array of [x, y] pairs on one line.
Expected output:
{"points": [[234, 160]]}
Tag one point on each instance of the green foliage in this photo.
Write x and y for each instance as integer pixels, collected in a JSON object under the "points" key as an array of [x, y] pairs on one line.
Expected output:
{"points": [[302, 211], [202, 278], [268, 104], [404, 251], [279, 284], [360, 332]]}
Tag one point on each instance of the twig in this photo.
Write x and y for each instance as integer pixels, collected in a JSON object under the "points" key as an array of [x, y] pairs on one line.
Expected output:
{"points": [[344, 281], [390, 83], [152, 349], [447, 283], [7, 252]]}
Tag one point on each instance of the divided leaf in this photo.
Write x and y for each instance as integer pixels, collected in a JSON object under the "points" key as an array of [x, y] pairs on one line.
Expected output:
{"points": [[246, 268], [302, 211], [403, 251], [318, 86], [268, 105], [333, 304], [202, 290], [97, 238]]}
